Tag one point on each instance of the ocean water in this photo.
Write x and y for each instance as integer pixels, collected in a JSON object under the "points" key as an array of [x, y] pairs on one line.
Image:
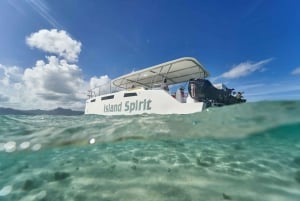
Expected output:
{"points": [[242, 152]]}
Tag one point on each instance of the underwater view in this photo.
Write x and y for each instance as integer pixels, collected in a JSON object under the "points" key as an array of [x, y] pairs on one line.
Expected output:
{"points": [[243, 152]]}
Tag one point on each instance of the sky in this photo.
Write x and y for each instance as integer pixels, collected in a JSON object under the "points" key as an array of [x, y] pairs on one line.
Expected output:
{"points": [[53, 51]]}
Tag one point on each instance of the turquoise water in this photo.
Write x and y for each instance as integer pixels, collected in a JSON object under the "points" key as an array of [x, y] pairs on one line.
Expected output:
{"points": [[243, 152]]}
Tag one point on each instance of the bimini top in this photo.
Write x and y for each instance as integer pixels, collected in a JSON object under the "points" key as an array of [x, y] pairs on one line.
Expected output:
{"points": [[175, 71]]}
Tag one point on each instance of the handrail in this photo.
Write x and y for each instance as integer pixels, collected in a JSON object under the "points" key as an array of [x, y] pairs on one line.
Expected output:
{"points": [[103, 89]]}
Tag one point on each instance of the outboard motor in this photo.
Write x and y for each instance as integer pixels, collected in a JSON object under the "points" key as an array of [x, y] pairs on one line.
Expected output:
{"points": [[203, 90]]}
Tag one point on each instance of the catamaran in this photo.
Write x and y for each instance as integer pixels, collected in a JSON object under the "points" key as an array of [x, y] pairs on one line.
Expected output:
{"points": [[175, 87]]}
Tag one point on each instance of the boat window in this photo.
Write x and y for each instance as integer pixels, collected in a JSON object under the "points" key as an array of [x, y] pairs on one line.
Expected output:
{"points": [[93, 100], [107, 97], [130, 94]]}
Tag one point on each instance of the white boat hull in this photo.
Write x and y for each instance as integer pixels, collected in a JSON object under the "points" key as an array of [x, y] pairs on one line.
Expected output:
{"points": [[133, 102]]}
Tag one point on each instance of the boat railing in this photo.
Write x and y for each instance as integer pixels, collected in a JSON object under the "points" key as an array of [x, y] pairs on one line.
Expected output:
{"points": [[103, 89]]}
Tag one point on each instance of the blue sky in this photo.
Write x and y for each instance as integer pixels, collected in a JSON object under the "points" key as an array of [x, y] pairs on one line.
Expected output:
{"points": [[51, 52]]}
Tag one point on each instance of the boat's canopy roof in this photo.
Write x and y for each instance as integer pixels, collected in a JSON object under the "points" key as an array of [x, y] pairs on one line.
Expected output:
{"points": [[175, 72]]}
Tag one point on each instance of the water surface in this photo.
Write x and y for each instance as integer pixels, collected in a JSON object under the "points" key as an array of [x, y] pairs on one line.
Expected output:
{"points": [[243, 152]]}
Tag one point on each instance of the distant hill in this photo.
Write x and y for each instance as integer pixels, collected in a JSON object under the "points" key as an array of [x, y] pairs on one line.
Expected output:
{"points": [[57, 111]]}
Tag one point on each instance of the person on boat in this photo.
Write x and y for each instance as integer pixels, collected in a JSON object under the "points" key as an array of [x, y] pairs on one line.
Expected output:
{"points": [[164, 85], [180, 95], [181, 92]]}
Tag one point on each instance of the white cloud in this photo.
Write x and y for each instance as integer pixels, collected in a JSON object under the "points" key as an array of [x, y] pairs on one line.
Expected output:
{"points": [[3, 98], [283, 90], [296, 71], [57, 42], [102, 80], [10, 85], [56, 76], [10, 74], [102, 85], [244, 69], [50, 83], [47, 85]]}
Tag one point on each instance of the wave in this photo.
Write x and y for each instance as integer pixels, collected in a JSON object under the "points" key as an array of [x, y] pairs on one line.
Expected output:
{"points": [[230, 122]]}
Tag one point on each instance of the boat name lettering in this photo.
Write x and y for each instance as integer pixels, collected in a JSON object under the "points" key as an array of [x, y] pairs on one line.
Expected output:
{"points": [[129, 106]]}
